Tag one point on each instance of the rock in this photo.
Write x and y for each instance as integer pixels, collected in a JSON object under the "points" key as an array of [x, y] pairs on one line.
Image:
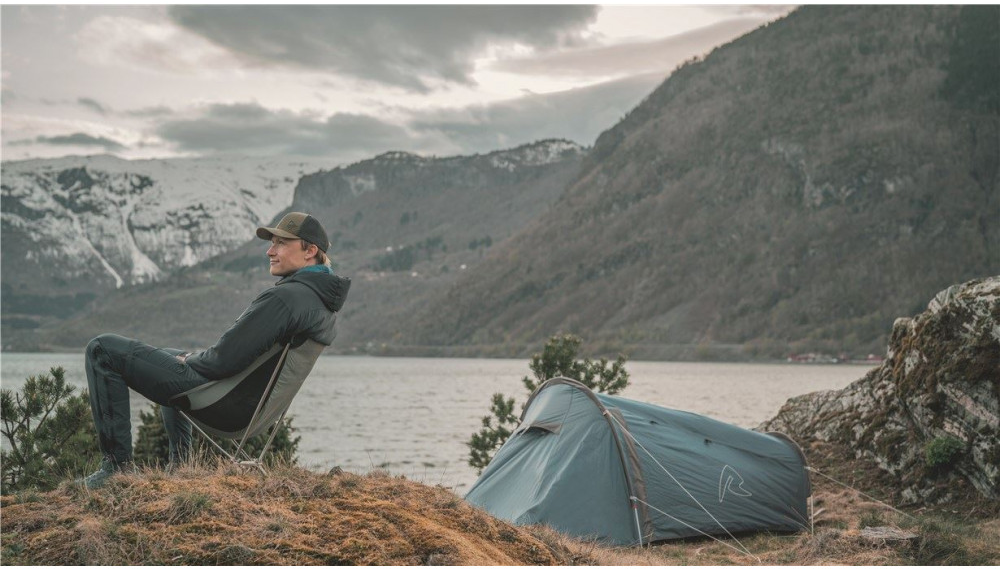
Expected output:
{"points": [[930, 414], [885, 533]]}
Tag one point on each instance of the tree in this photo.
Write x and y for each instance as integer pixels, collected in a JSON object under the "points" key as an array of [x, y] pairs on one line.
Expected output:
{"points": [[558, 358], [152, 446], [49, 432]]}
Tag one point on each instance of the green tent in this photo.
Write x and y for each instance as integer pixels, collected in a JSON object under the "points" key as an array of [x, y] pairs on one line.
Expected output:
{"points": [[625, 472]]}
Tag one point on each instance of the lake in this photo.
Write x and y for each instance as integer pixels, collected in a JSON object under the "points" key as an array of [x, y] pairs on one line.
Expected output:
{"points": [[412, 416]]}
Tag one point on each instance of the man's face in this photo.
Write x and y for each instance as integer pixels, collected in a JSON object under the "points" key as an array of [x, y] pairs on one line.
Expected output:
{"points": [[286, 256]]}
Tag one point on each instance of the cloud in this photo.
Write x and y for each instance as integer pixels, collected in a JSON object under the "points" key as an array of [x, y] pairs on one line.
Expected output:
{"points": [[156, 111], [768, 11], [93, 105], [577, 114], [151, 112], [249, 128], [405, 46], [252, 129], [141, 45], [661, 55], [76, 139]]}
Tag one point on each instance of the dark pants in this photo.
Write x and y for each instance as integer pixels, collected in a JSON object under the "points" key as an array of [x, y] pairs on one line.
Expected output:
{"points": [[115, 364]]}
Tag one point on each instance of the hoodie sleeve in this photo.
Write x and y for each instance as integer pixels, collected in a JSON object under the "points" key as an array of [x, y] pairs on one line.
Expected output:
{"points": [[266, 321]]}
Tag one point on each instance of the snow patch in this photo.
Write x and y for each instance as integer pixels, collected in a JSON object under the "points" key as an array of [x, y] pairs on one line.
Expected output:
{"points": [[360, 183], [539, 154]]}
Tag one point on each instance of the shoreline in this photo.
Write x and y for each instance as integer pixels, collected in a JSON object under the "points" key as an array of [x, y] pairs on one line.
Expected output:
{"points": [[693, 353]]}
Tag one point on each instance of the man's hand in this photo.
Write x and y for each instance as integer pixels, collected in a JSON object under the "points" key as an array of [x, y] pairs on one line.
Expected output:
{"points": [[183, 356]]}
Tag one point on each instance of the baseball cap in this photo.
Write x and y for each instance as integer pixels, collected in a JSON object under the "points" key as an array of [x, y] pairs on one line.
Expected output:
{"points": [[298, 225]]}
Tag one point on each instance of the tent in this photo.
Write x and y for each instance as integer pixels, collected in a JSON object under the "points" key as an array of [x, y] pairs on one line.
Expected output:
{"points": [[624, 472]]}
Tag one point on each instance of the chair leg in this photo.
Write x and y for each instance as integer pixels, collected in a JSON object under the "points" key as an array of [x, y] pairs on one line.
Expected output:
{"points": [[207, 437], [259, 462], [248, 462], [254, 463], [274, 432]]}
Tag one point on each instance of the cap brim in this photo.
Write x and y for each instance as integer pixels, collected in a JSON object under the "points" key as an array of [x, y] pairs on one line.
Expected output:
{"points": [[268, 233]]}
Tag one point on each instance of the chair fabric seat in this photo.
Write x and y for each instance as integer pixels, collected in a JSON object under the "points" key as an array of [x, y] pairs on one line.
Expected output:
{"points": [[224, 408]]}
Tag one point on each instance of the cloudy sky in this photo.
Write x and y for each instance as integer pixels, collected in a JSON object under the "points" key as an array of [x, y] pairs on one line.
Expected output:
{"points": [[339, 82]]}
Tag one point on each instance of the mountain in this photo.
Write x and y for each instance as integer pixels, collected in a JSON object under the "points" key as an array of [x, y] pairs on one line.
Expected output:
{"points": [[397, 199], [75, 228], [795, 190], [402, 226], [406, 227]]}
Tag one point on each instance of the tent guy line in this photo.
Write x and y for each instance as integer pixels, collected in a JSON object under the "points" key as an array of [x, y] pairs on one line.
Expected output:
{"points": [[810, 469], [683, 488], [715, 538]]}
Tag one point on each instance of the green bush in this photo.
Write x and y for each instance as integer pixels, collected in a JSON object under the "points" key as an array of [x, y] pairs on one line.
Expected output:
{"points": [[942, 451], [558, 358], [49, 432], [152, 446], [871, 518]]}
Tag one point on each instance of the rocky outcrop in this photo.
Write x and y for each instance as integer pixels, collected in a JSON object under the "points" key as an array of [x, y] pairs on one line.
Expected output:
{"points": [[930, 414]]}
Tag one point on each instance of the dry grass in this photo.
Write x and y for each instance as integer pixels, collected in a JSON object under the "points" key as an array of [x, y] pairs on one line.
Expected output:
{"points": [[219, 515]]}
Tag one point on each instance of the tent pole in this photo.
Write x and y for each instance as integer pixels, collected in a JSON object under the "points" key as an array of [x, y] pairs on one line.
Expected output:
{"points": [[638, 528]]}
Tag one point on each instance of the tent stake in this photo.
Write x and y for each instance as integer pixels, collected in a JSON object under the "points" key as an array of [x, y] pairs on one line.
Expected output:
{"points": [[812, 516]]}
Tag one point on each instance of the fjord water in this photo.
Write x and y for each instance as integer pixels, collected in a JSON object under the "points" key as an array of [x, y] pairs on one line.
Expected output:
{"points": [[412, 416]]}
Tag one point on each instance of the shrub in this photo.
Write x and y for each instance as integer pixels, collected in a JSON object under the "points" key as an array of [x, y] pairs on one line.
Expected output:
{"points": [[942, 451], [49, 432], [871, 518], [152, 446], [399, 260], [188, 504], [558, 358]]}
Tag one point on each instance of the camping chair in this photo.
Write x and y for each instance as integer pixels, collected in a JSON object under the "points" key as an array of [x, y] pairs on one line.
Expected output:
{"points": [[245, 405]]}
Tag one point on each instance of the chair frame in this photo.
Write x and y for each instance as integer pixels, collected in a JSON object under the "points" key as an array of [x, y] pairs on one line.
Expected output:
{"points": [[247, 461]]}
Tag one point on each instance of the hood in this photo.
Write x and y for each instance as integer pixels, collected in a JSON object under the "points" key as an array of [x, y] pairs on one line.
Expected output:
{"points": [[331, 289]]}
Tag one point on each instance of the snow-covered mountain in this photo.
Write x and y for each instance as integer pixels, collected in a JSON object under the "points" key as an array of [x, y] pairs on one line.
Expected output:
{"points": [[102, 222]]}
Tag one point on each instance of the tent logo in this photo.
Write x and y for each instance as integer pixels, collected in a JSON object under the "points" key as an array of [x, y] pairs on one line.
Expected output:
{"points": [[726, 479]]}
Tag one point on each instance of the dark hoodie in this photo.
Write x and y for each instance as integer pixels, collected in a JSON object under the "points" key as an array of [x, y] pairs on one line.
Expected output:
{"points": [[301, 306]]}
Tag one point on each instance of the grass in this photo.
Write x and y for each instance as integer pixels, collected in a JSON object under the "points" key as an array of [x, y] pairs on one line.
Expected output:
{"points": [[214, 514], [209, 514]]}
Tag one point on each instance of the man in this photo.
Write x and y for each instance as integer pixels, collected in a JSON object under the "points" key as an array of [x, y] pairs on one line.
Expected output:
{"points": [[302, 305]]}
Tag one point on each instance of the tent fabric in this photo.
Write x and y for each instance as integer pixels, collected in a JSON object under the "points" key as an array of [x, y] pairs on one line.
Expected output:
{"points": [[224, 408], [607, 468]]}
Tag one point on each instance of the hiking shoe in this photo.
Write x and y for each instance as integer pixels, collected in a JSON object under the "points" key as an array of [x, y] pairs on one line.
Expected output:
{"points": [[108, 468]]}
